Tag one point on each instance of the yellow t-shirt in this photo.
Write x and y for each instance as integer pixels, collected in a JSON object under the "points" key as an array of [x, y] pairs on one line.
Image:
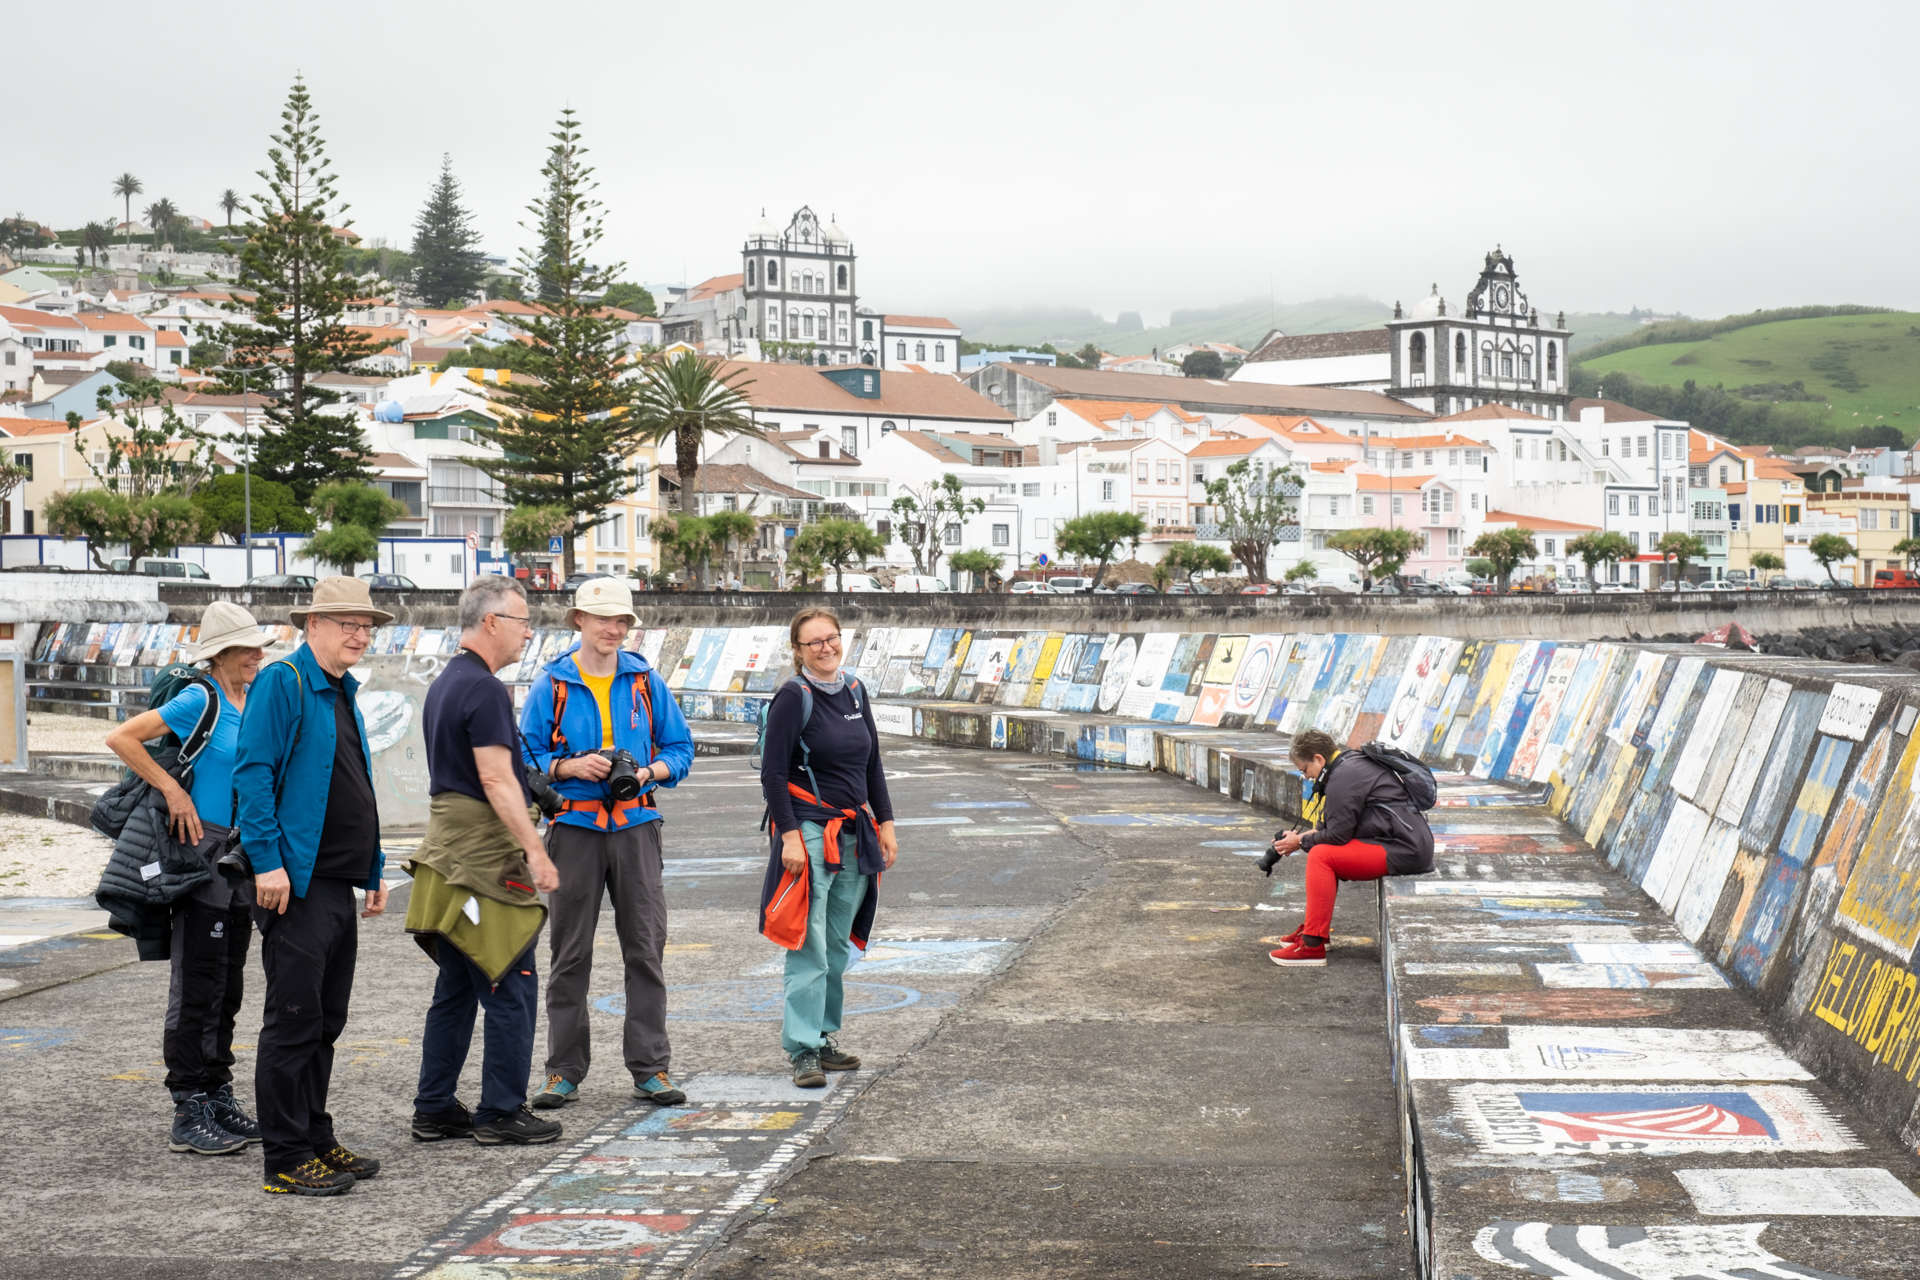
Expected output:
{"points": [[602, 687]]}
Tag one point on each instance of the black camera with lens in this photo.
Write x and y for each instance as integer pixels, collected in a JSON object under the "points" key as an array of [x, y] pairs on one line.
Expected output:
{"points": [[540, 786], [624, 781]]}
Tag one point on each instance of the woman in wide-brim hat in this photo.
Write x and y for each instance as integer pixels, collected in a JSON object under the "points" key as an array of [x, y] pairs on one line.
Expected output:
{"points": [[211, 928]]}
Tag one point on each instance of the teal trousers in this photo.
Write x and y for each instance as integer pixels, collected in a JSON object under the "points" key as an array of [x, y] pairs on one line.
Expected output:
{"points": [[814, 973]]}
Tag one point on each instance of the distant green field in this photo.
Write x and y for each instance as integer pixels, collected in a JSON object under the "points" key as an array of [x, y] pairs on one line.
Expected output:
{"points": [[1867, 367], [1242, 324]]}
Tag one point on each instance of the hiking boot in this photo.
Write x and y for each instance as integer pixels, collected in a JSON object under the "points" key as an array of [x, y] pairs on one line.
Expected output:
{"points": [[658, 1089], [806, 1070], [195, 1130], [313, 1178], [229, 1115], [520, 1128], [455, 1122], [832, 1059], [1306, 952], [341, 1160], [558, 1093]]}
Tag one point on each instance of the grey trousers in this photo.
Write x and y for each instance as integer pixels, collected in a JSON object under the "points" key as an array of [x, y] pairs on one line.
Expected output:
{"points": [[625, 866]]}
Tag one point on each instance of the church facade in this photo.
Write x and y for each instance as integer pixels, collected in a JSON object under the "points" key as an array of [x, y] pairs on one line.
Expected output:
{"points": [[1494, 350], [799, 286]]}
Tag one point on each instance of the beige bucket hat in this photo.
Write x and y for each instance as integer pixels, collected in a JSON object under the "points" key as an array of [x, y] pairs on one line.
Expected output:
{"points": [[604, 598], [340, 595], [226, 625]]}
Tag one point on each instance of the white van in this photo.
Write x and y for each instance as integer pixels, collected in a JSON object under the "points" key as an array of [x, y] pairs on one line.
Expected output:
{"points": [[851, 582], [1341, 581], [918, 582]]}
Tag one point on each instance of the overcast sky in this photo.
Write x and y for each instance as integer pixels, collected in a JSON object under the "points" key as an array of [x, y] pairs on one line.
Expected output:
{"points": [[1703, 157]]}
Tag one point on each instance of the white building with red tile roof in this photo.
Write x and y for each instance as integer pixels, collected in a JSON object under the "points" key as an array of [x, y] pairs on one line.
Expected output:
{"points": [[930, 344]]}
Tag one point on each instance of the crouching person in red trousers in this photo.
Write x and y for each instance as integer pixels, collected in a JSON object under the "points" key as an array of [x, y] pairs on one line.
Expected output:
{"points": [[1365, 827]]}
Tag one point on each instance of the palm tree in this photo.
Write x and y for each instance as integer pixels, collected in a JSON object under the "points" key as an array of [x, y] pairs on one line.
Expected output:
{"points": [[692, 400], [96, 238], [229, 200], [161, 216], [126, 186]]}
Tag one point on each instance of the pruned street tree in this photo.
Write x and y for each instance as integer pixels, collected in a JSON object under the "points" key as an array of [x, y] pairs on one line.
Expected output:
{"points": [[1908, 549], [1829, 549], [1098, 535], [294, 290], [1379, 553], [836, 544], [529, 531], [355, 515], [569, 432], [981, 567], [1504, 549], [223, 505], [1255, 502], [1189, 558], [731, 533], [144, 489], [1303, 571], [1681, 548], [1768, 562], [1594, 549], [923, 514]]}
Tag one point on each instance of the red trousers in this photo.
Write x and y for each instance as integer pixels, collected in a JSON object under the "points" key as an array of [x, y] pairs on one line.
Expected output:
{"points": [[1327, 865]]}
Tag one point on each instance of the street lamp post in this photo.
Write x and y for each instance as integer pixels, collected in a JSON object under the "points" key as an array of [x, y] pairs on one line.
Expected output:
{"points": [[246, 480]]}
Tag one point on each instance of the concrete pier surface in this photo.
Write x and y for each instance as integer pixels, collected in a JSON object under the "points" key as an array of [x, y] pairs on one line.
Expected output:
{"points": [[1078, 1061]]}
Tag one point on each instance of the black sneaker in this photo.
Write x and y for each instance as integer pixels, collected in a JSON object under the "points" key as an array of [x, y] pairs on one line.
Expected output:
{"points": [[342, 1160], [658, 1089], [195, 1130], [522, 1128], [455, 1122], [806, 1070], [311, 1179], [227, 1113], [832, 1059]]}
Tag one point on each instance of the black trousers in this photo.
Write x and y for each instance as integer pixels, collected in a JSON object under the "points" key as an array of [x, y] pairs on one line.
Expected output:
{"points": [[209, 978], [308, 955]]}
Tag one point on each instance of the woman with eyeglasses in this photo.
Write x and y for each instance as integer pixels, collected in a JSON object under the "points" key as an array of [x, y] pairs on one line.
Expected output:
{"points": [[830, 825]]}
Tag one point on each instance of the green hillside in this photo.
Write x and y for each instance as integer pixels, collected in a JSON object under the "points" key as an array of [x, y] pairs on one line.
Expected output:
{"points": [[1242, 324], [1866, 366]]}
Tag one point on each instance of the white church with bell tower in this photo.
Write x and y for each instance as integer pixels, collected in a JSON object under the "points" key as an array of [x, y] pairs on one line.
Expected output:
{"points": [[1492, 350], [799, 287]]}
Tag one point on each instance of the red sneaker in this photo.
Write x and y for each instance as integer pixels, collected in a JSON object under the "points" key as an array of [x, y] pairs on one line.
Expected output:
{"points": [[1298, 953]]}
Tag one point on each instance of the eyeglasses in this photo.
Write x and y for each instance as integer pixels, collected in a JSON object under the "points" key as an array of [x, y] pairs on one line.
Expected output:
{"points": [[353, 628], [822, 643], [520, 618]]}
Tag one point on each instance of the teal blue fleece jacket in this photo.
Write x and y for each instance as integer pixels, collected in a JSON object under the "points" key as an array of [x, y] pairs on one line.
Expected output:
{"points": [[291, 700], [666, 738]]}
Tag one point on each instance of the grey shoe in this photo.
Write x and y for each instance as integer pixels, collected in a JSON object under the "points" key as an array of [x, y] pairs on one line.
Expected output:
{"points": [[806, 1070], [832, 1059]]}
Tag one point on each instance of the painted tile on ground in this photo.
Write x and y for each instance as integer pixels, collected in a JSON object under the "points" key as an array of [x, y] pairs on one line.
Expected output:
{"points": [[1650, 1120], [1608, 1053], [1583, 1252], [1681, 976], [1852, 1193]]}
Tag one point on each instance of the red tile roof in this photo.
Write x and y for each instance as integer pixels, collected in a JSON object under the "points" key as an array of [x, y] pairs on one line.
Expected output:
{"points": [[903, 395], [1540, 523], [921, 322], [1486, 412]]}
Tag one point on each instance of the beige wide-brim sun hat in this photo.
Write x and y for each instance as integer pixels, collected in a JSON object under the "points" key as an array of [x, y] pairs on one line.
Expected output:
{"points": [[226, 625], [603, 598], [340, 595]]}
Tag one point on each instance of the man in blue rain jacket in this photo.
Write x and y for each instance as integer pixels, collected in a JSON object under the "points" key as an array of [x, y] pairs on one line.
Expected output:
{"points": [[587, 705]]}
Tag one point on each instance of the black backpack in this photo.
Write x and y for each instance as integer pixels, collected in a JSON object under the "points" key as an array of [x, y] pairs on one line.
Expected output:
{"points": [[1422, 791], [111, 810]]}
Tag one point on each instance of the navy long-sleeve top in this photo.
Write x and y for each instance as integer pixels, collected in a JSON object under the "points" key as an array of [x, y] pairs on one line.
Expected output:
{"points": [[844, 747]]}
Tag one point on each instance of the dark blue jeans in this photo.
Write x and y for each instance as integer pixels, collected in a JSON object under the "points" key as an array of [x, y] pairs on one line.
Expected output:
{"points": [[508, 1053]]}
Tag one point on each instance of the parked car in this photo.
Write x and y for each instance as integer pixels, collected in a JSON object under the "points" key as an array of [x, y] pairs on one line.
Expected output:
{"points": [[1132, 589], [854, 582], [1188, 589], [1896, 578], [1675, 587], [573, 581], [1069, 586], [1619, 589], [1721, 584], [285, 581], [168, 567], [394, 582], [1573, 586], [1026, 588], [1296, 589], [1260, 589], [1384, 589], [919, 582]]}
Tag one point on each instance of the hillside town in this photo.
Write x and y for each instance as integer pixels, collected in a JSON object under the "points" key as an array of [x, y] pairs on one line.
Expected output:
{"points": [[1454, 420]]}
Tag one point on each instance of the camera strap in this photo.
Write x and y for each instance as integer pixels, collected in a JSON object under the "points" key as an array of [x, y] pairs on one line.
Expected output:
{"points": [[605, 810]]}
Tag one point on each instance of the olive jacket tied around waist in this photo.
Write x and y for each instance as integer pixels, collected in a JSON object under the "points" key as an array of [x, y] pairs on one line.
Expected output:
{"points": [[472, 887]]}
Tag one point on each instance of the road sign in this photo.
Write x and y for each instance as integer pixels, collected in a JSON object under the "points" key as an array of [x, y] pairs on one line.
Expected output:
{"points": [[473, 542], [556, 546], [1041, 559]]}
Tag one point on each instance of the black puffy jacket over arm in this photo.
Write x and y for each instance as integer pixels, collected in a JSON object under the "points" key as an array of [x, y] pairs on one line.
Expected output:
{"points": [[1366, 801]]}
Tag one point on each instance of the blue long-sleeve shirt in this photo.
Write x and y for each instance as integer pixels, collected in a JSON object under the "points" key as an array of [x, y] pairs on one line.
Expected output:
{"points": [[843, 750], [580, 731], [284, 767]]}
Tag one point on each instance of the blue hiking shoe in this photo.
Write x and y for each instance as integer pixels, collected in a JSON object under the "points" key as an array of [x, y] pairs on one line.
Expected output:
{"points": [[558, 1093], [229, 1115], [195, 1130], [659, 1090]]}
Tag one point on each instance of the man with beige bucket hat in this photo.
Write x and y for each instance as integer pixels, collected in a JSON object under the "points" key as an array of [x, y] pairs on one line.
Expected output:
{"points": [[311, 830], [601, 723]]}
